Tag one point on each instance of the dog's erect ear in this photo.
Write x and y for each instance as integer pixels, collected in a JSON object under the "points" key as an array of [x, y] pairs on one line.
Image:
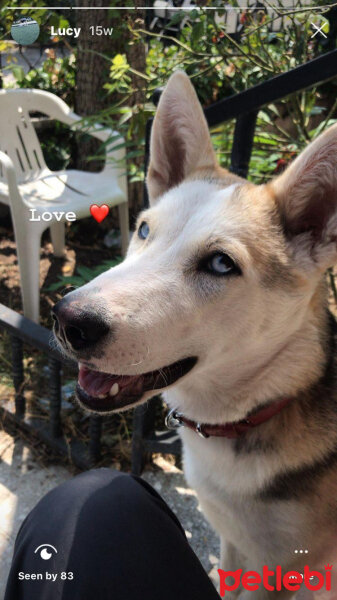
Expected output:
{"points": [[306, 195], [180, 140]]}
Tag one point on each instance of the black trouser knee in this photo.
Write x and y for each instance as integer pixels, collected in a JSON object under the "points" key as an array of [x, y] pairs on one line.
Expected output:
{"points": [[110, 536]]}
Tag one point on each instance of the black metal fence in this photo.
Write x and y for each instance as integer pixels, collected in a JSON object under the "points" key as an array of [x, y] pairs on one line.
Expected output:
{"points": [[24, 331], [243, 107]]}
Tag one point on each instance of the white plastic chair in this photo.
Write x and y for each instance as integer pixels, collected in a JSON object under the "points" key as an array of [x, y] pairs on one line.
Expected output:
{"points": [[26, 182]]}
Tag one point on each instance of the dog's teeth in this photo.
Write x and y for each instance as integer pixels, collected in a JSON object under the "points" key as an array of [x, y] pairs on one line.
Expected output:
{"points": [[101, 396], [114, 389]]}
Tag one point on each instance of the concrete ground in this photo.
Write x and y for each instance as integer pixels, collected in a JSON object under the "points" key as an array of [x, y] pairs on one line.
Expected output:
{"points": [[24, 480]]}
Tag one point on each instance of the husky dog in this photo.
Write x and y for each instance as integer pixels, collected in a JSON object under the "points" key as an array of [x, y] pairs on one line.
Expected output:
{"points": [[221, 304]]}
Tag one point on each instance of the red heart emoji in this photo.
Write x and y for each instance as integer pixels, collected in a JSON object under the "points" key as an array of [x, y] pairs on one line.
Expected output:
{"points": [[99, 212]]}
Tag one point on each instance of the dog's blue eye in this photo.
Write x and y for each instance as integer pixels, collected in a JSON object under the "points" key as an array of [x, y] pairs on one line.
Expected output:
{"points": [[143, 230], [221, 264]]}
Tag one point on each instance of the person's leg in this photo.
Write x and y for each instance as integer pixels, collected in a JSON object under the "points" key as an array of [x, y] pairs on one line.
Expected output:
{"points": [[115, 538]]}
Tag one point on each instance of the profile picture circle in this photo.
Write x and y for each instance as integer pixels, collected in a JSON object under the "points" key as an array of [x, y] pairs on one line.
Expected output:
{"points": [[25, 31]]}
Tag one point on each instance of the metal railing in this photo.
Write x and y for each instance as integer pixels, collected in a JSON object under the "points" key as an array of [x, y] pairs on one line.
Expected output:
{"points": [[24, 331]]}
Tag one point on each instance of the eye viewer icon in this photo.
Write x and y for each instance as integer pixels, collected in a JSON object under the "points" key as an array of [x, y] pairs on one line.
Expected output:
{"points": [[44, 552]]}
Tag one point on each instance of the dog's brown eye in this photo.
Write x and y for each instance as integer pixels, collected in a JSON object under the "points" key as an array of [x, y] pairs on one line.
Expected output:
{"points": [[143, 230], [221, 264]]}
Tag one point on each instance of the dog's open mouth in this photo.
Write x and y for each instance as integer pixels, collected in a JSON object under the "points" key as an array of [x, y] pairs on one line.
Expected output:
{"points": [[102, 392]]}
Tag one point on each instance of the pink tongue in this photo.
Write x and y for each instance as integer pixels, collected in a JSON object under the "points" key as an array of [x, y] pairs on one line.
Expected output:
{"points": [[96, 383]]}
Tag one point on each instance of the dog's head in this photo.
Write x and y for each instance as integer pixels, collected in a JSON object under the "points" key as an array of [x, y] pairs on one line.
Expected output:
{"points": [[219, 279]]}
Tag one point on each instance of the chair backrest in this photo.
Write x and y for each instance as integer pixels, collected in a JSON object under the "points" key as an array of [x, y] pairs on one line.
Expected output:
{"points": [[18, 137]]}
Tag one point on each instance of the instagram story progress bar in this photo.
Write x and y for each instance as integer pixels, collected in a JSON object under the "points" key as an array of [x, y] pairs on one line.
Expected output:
{"points": [[166, 5]]}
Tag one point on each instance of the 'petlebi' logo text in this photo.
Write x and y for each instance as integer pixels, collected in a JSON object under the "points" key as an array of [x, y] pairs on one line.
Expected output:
{"points": [[291, 580]]}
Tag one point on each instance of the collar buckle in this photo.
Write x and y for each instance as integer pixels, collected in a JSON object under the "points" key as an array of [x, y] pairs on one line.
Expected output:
{"points": [[199, 430], [173, 419]]}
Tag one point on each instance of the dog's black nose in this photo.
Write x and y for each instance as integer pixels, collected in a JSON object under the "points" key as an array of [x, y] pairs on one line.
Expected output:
{"points": [[77, 326]]}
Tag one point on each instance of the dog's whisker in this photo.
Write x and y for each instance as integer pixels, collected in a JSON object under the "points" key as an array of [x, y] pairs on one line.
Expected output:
{"points": [[163, 374]]}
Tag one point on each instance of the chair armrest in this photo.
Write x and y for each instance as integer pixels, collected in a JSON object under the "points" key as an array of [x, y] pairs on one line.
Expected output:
{"points": [[10, 177], [9, 172], [8, 167]]}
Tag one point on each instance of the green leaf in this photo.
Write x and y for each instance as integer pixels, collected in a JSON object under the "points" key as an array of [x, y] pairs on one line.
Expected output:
{"points": [[197, 31], [177, 18], [125, 117], [18, 73], [119, 61], [85, 272], [265, 140]]}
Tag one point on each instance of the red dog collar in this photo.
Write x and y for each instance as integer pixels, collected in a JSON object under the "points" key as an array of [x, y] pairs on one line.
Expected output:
{"points": [[230, 430]]}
